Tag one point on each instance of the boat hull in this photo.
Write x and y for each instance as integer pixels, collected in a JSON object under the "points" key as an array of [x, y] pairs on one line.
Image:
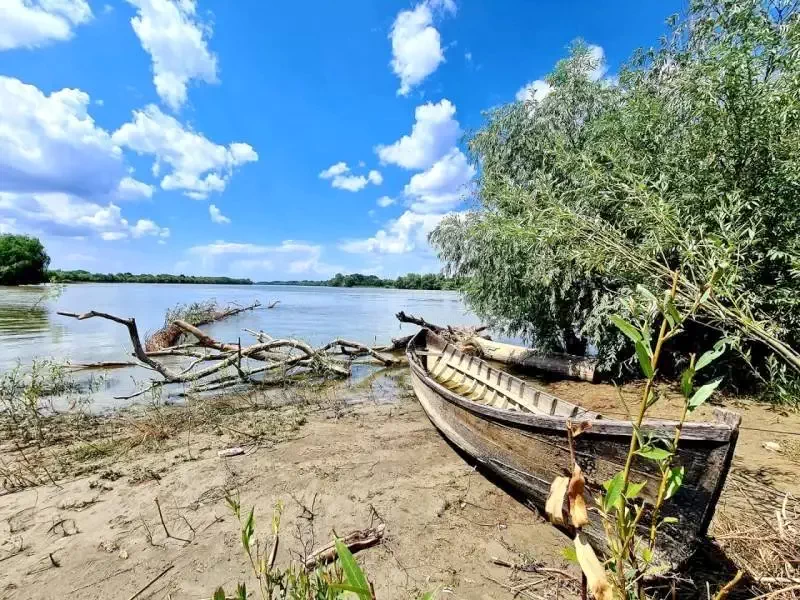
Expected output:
{"points": [[528, 452]]}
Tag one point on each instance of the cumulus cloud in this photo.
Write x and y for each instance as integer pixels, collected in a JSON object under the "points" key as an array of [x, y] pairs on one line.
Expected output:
{"points": [[441, 187], [236, 257], [132, 189], [338, 174], [198, 165], [385, 201], [407, 233], [339, 168], [416, 44], [434, 133], [178, 44], [50, 143], [63, 215], [60, 173], [34, 23], [217, 216]]}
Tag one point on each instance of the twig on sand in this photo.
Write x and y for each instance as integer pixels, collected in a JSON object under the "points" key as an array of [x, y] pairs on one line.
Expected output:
{"points": [[531, 568], [151, 582], [163, 523], [356, 540]]}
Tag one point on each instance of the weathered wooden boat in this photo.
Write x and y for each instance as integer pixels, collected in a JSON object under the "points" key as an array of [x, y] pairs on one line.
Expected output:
{"points": [[519, 433]]}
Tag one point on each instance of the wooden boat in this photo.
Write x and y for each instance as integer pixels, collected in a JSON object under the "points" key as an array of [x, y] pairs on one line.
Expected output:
{"points": [[519, 433]]}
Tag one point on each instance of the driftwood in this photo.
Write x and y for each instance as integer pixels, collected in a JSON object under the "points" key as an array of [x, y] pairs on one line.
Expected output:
{"points": [[168, 335], [267, 362], [473, 340], [355, 541]]}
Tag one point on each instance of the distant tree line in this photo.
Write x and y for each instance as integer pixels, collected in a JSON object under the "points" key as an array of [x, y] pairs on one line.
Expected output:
{"points": [[411, 281], [81, 276]]}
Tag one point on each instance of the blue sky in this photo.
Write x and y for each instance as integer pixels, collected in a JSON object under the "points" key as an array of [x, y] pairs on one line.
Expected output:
{"points": [[264, 139]]}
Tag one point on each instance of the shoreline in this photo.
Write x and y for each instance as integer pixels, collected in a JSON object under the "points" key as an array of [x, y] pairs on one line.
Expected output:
{"points": [[346, 448]]}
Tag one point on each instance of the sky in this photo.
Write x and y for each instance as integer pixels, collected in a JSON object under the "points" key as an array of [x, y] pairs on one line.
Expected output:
{"points": [[264, 139]]}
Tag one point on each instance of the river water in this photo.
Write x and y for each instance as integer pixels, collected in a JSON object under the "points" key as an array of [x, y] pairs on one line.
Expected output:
{"points": [[30, 328]]}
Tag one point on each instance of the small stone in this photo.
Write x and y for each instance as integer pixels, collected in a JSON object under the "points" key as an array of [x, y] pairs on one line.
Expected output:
{"points": [[771, 446], [123, 554], [109, 547]]}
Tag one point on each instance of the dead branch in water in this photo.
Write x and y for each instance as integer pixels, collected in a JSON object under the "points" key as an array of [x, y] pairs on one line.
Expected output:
{"points": [[266, 362], [196, 314]]}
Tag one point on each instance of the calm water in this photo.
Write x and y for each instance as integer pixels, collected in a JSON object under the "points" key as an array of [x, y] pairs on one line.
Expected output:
{"points": [[30, 329]]}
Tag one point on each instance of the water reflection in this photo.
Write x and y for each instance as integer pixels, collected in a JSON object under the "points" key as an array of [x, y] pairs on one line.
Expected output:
{"points": [[20, 319]]}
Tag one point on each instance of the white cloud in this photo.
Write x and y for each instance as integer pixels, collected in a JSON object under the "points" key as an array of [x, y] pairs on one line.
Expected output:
{"points": [[50, 143], [434, 133], [535, 90], [146, 227], [407, 233], [339, 168], [441, 187], [292, 256], [131, 189], [178, 44], [416, 44], [199, 166], [385, 201], [217, 216], [352, 183], [33, 23], [63, 215]]}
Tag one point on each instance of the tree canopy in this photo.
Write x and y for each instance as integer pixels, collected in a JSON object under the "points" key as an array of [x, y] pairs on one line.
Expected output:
{"points": [[689, 161], [23, 260]]}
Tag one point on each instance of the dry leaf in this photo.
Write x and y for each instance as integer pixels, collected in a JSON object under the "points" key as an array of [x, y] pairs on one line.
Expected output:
{"points": [[592, 568], [578, 428], [577, 504], [554, 508]]}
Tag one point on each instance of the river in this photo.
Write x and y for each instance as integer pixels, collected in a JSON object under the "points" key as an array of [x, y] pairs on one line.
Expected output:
{"points": [[30, 328]]}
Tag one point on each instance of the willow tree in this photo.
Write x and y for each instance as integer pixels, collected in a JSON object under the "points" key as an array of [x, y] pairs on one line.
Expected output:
{"points": [[23, 260], [689, 160]]}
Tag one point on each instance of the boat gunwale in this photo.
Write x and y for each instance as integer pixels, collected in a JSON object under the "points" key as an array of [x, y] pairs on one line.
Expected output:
{"points": [[704, 431]]}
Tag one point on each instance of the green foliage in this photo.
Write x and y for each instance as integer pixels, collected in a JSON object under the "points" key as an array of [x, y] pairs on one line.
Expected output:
{"points": [[81, 276], [690, 161], [411, 281], [26, 395], [23, 260]]}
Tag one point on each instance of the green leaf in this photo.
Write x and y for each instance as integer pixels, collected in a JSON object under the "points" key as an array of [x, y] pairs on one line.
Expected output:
{"points": [[703, 393], [626, 328], [709, 357], [248, 530], [569, 554], [669, 520], [674, 481], [428, 596], [654, 453], [673, 312], [241, 591], [353, 573], [613, 492], [219, 594], [634, 489], [687, 382], [644, 359], [646, 293], [647, 555]]}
